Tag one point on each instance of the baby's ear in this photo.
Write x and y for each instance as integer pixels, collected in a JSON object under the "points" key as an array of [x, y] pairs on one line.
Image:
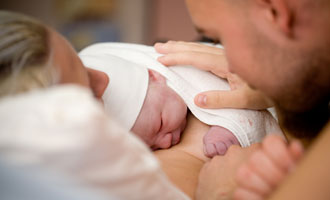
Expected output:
{"points": [[155, 76]]}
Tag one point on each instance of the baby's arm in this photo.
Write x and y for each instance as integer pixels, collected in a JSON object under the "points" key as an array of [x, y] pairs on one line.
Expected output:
{"points": [[267, 168], [217, 140]]}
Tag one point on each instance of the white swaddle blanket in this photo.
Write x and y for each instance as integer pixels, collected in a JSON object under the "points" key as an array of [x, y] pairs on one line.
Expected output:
{"points": [[247, 125]]}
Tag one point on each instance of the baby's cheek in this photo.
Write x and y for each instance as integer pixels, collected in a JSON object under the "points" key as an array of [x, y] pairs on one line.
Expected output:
{"points": [[142, 129]]}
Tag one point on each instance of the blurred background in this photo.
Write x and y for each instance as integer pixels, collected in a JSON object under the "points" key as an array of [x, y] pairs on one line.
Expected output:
{"points": [[85, 22]]}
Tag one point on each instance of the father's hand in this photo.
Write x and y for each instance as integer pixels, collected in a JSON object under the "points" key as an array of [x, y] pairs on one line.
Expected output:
{"points": [[217, 177], [212, 59]]}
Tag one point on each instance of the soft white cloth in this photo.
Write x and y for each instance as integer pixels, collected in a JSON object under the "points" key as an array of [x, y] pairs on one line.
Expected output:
{"points": [[64, 129], [125, 94], [248, 126]]}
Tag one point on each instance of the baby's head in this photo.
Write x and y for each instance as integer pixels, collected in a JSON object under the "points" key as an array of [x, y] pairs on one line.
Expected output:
{"points": [[163, 115], [138, 98]]}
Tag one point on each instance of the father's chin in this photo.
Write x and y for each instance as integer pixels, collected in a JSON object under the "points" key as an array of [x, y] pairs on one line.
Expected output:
{"points": [[306, 124]]}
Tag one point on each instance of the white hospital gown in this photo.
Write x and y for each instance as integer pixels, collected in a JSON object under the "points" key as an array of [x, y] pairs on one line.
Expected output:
{"points": [[65, 130]]}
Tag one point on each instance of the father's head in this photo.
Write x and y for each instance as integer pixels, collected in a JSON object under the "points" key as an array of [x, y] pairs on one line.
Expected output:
{"points": [[281, 47]]}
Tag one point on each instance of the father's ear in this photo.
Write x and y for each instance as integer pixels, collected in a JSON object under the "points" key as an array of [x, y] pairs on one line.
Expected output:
{"points": [[278, 13], [98, 82], [155, 76]]}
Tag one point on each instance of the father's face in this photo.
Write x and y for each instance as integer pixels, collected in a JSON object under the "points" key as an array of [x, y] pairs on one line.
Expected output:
{"points": [[220, 20], [293, 73]]}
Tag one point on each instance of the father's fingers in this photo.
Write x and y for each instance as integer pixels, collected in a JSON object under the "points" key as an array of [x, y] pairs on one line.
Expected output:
{"points": [[243, 194], [277, 149], [248, 179], [264, 167], [221, 99], [244, 98], [174, 47], [203, 61]]}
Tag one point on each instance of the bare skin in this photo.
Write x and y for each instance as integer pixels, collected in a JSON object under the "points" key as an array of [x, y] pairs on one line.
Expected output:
{"points": [[163, 117], [275, 46], [267, 168], [158, 109], [250, 182], [182, 162], [217, 141], [310, 180], [185, 163], [213, 59], [70, 68], [66, 59]]}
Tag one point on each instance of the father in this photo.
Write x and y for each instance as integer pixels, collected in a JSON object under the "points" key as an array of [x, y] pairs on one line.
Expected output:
{"points": [[281, 48]]}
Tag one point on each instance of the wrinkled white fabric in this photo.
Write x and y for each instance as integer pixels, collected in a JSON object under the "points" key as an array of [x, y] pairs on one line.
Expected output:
{"points": [[64, 129], [125, 94], [248, 126]]}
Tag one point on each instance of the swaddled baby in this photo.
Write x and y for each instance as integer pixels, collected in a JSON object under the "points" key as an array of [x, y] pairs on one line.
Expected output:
{"points": [[154, 104], [163, 118]]}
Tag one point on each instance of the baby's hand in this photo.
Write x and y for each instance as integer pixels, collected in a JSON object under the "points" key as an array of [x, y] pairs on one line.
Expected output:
{"points": [[217, 140], [266, 168]]}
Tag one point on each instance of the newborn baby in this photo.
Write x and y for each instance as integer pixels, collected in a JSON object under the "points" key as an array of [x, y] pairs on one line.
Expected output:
{"points": [[163, 118], [151, 100], [163, 115]]}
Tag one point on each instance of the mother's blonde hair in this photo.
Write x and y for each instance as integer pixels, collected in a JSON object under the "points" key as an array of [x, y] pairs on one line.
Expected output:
{"points": [[25, 54]]}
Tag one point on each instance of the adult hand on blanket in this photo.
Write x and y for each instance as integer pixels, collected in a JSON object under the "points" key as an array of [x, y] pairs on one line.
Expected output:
{"points": [[212, 59]]}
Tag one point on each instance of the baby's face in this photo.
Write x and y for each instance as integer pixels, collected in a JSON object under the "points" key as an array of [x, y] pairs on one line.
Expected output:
{"points": [[163, 115]]}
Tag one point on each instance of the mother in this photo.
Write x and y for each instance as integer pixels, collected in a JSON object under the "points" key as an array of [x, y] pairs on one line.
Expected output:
{"points": [[91, 148]]}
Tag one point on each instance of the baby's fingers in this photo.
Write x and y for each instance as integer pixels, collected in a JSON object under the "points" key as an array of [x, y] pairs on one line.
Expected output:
{"points": [[210, 150]]}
